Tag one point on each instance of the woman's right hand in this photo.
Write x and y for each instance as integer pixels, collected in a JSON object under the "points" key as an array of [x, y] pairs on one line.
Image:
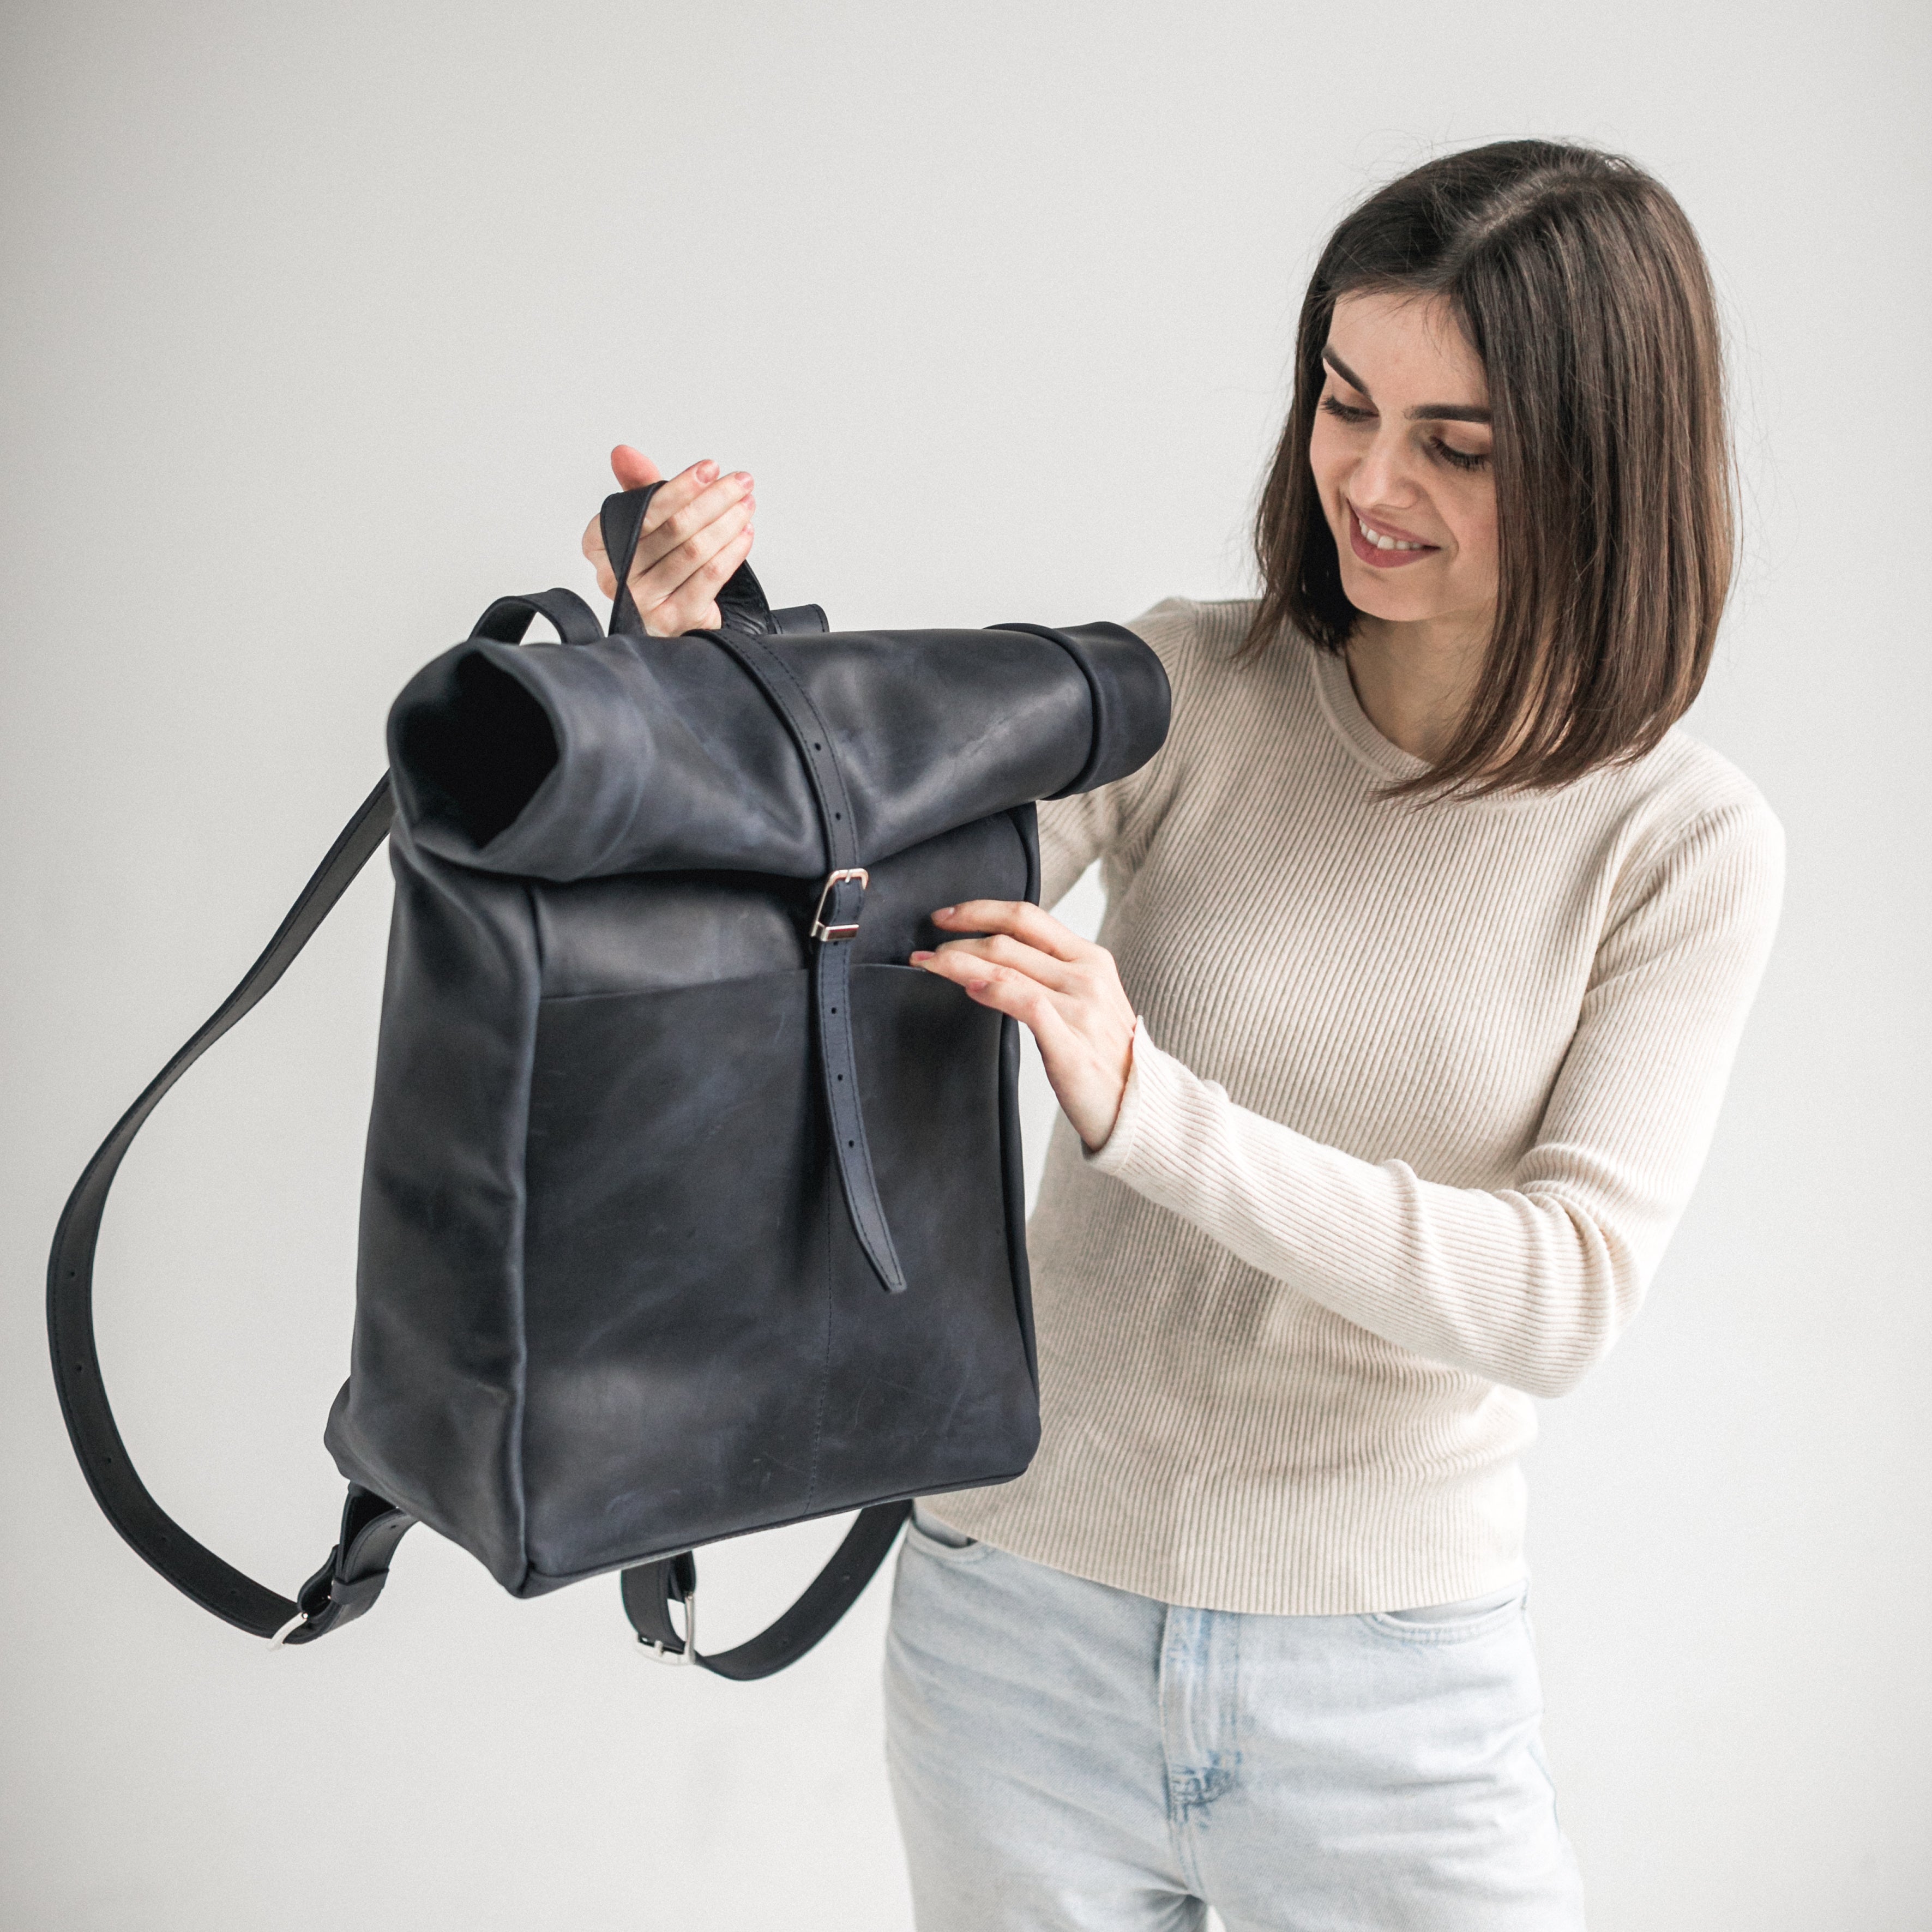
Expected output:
{"points": [[696, 532]]}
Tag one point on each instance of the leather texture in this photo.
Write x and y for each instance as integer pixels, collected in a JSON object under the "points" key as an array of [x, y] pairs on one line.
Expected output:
{"points": [[638, 755], [660, 1108]]}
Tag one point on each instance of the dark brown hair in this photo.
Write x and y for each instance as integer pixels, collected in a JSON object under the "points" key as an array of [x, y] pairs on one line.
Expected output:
{"points": [[1580, 284]]}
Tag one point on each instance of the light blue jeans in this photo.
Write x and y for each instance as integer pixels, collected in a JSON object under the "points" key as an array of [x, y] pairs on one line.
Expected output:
{"points": [[1064, 1755]]}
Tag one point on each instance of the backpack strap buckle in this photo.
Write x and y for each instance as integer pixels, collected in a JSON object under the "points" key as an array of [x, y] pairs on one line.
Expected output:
{"points": [[662, 1653], [843, 906]]}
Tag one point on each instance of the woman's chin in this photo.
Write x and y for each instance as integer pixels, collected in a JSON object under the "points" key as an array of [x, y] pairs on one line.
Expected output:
{"points": [[1376, 596]]}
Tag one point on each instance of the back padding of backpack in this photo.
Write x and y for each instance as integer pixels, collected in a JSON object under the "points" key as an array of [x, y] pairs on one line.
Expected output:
{"points": [[610, 1304]]}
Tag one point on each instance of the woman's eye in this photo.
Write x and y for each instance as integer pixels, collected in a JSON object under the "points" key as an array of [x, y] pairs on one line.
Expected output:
{"points": [[1462, 459], [1341, 411]]}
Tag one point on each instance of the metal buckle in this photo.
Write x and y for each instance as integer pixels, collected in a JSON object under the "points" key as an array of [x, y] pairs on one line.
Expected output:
{"points": [[289, 1629], [833, 880], [662, 1653]]}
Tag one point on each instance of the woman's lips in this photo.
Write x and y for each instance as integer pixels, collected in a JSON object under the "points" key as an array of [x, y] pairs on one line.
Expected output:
{"points": [[1382, 559]]}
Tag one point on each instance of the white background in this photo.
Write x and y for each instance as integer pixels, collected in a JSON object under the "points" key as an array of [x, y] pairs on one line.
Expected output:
{"points": [[316, 323]]}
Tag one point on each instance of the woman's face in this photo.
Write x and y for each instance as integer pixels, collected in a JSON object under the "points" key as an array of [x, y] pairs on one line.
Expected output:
{"points": [[1401, 455]]}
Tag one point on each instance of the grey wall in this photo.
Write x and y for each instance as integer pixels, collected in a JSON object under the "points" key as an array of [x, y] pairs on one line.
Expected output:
{"points": [[316, 323]]}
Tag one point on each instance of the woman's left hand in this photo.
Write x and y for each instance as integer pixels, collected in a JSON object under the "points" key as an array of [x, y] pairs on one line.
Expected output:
{"points": [[1063, 988]]}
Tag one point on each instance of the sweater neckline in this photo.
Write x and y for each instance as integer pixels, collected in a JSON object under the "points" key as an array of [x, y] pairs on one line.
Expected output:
{"points": [[1336, 690]]}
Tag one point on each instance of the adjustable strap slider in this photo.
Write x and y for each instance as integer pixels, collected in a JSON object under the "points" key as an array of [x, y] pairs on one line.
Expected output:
{"points": [[357, 1568], [837, 917]]}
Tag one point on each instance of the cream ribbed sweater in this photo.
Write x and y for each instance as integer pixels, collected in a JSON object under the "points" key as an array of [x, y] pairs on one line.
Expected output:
{"points": [[1418, 1094]]}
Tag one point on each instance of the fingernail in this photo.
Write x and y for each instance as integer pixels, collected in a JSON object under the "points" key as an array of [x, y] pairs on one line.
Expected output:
{"points": [[707, 471], [917, 957], [944, 912], [743, 479]]}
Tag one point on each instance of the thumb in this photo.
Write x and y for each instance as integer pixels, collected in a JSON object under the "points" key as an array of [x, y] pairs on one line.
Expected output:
{"points": [[632, 468]]}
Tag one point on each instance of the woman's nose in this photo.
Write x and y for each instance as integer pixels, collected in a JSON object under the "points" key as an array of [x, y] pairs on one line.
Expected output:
{"points": [[1383, 476]]}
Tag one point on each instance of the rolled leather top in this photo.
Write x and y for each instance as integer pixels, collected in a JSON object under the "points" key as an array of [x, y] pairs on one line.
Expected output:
{"points": [[648, 754]]}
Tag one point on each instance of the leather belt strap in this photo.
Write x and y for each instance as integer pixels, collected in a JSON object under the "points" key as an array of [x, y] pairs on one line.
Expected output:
{"points": [[841, 903]]}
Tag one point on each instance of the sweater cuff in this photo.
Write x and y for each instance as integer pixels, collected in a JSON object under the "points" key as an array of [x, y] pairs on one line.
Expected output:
{"points": [[1151, 1080]]}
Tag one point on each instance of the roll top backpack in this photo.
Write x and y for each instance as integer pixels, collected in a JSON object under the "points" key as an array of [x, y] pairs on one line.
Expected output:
{"points": [[689, 1208]]}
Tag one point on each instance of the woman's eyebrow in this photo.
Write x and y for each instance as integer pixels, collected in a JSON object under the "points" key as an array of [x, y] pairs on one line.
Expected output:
{"points": [[1342, 369], [1469, 412], [1447, 412]]}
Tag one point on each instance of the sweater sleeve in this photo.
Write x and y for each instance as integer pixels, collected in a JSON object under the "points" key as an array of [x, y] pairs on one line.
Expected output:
{"points": [[1530, 1283]]}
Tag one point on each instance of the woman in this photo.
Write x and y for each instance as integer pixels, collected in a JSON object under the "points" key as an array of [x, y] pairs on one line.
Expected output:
{"points": [[1429, 939]]}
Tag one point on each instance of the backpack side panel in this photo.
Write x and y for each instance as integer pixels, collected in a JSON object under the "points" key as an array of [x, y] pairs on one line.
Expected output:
{"points": [[431, 1415]]}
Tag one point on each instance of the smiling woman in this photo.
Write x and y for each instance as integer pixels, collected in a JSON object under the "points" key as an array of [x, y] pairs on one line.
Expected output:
{"points": [[1429, 940], [1445, 935], [1554, 430]]}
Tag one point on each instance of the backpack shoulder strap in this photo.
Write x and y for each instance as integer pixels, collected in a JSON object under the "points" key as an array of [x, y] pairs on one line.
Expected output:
{"points": [[349, 1581], [650, 1589], [123, 1498]]}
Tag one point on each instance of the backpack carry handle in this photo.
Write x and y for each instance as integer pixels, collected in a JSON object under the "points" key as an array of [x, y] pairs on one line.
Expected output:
{"points": [[741, 603], [509, 618]]}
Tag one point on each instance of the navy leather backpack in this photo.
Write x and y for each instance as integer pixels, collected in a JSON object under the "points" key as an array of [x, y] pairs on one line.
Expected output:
{"points": [[689, 1208]]}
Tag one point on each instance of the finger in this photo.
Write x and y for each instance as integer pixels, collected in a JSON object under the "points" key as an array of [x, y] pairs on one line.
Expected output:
{"points": [[633, 469], [1024, 921], [999, 987], [966, 968], [694, 607], [666, 501], [688, 511], [679, 490], [999, 949], [667, 577]]}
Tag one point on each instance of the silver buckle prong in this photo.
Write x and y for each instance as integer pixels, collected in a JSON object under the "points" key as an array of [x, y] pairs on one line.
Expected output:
{"points": [[833, 880]]}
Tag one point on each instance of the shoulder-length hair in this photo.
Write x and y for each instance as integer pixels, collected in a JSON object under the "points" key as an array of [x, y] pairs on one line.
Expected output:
{"points": [[1580, 284]]}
